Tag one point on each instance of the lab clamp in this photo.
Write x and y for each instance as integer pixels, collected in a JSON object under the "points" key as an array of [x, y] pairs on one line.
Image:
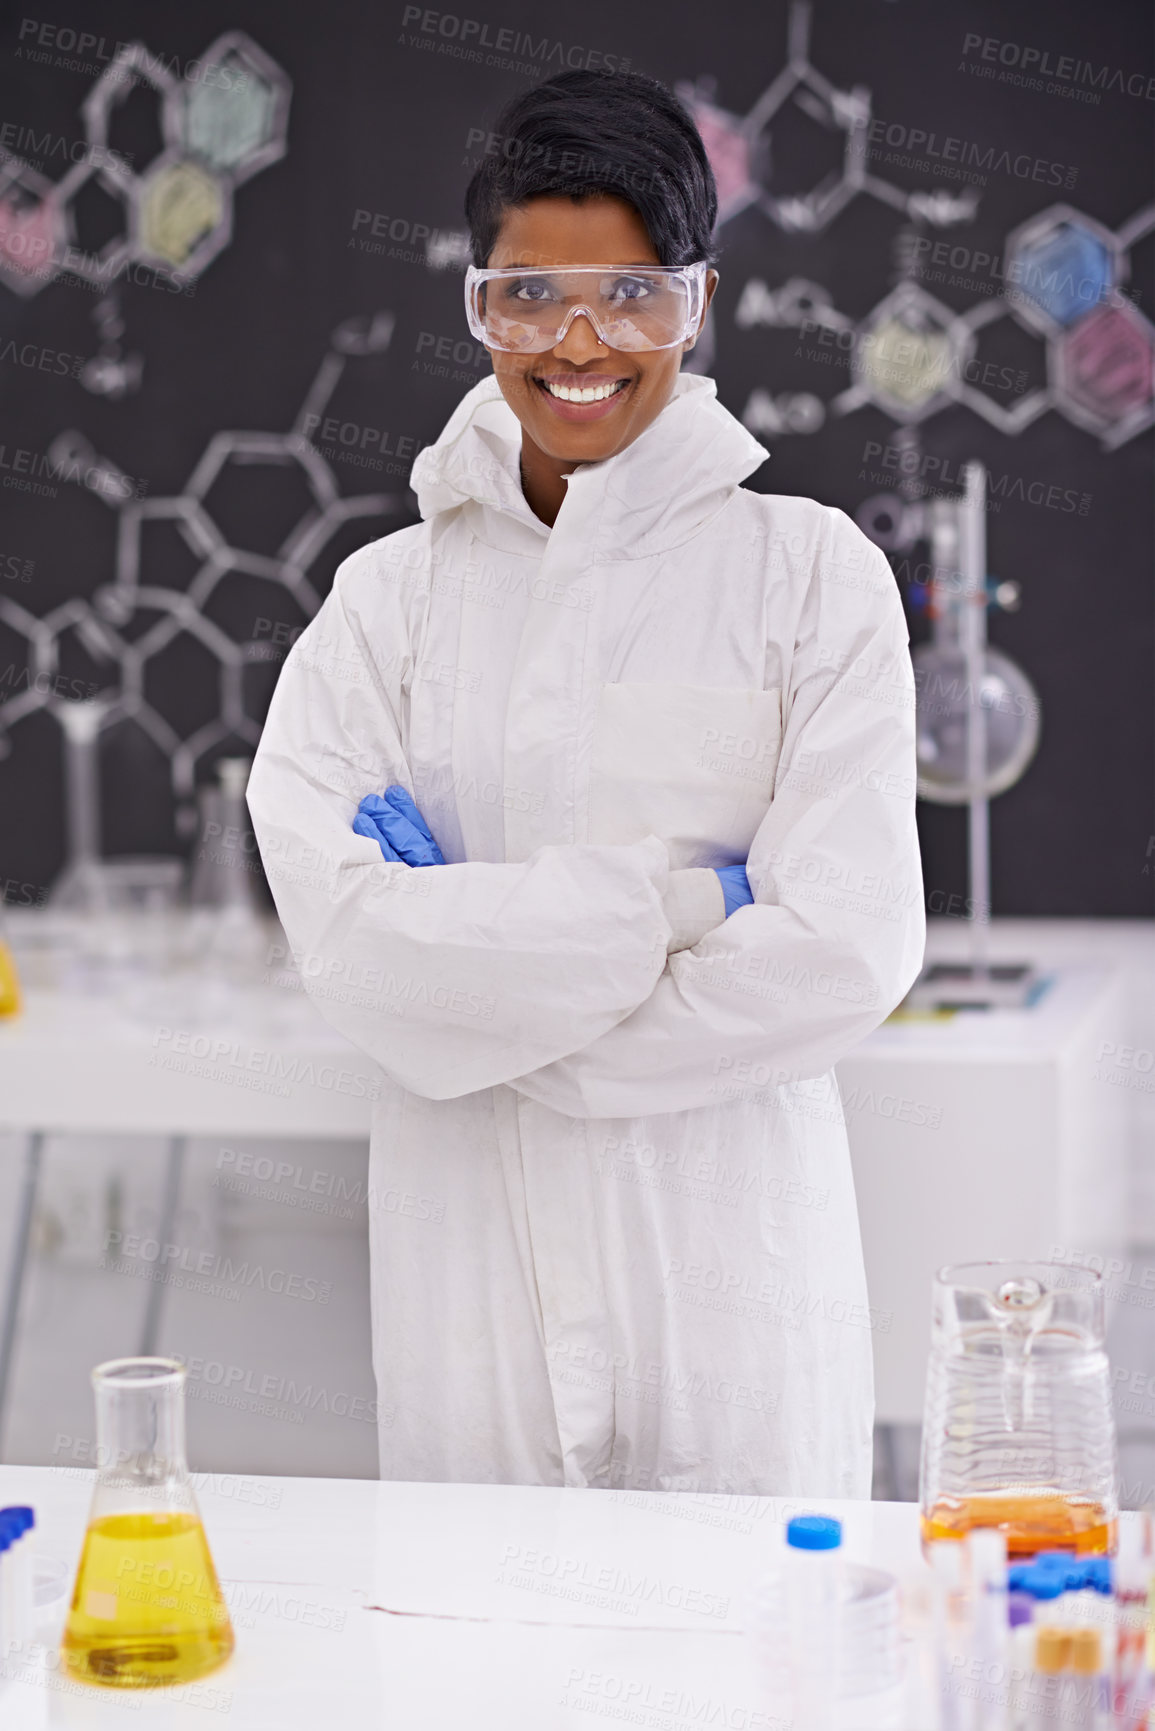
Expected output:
{"points": [[977, 717]]}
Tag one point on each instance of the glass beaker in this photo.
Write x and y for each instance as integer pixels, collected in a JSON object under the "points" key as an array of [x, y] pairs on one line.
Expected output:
{"points": [[1019, 1430], [147, 1607]]}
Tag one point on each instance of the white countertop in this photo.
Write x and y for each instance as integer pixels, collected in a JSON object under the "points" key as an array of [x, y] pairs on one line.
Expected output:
{"points": [[168, 1049], [1070, 996], [497, 1608], [169, 1053]]}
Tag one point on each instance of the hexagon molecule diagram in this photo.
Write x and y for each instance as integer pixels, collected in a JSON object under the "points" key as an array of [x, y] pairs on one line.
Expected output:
{"points": [[183, 667], [911, 355], [1063, 276], [744, 149], [224, 121]]}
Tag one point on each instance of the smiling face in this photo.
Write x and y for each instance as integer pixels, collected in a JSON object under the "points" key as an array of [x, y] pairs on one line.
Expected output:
{"points": [[556, 433]]}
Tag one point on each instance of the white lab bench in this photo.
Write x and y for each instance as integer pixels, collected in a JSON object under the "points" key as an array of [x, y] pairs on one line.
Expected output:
{"points": [[174, 1056], [988, 1135], [985, 1135], [170, 1058], [437, 1606], [504, 1608]]}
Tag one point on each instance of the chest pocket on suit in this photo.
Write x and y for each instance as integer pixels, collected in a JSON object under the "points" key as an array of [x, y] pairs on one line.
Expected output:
{"points": [[693, 764]]}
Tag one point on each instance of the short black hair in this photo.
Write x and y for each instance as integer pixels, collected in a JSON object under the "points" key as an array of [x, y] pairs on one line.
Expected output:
{"points": [[584, 133]]}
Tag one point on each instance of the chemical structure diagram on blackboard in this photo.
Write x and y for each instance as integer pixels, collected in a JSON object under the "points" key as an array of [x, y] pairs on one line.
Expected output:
{"points": [[1061, 276], [741, 149], [913, 356], [221, 123], [134, 624]]}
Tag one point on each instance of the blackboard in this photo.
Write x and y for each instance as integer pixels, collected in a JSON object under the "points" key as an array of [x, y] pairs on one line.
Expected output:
{"points": [[1022, 108]]}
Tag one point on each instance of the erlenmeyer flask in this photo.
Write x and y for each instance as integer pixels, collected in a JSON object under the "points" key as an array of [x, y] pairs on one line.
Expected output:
{"points": [[1019, 1430], [147, 1608]]}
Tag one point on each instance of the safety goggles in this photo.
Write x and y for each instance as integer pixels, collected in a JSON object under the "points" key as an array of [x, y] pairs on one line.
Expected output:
{"points": [[527, 311]]}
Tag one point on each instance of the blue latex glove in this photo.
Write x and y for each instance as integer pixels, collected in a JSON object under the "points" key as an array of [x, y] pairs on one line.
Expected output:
{"points": [[735, 887], [396, 825], [365, 826]]}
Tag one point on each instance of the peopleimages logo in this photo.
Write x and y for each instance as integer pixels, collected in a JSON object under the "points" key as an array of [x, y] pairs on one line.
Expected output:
{"points": [[54, 41], [44, 149], [925, 472], [133, 1246], [275, 1396], [1029, 66], [223, 1060], [465, 38], [20, 466], [912, 145], [573, 1577]]}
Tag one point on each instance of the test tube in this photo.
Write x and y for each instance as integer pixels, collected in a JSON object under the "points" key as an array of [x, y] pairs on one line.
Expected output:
{"points": [[23, 1570], [14, 1620], [1052, 1655], [946, 1580], [814, 1586], [1021, 1671], [1047, 1590], [987, 1550], [1146, 1689], [1092, 1691], [7, 1634], [15, 1577]]}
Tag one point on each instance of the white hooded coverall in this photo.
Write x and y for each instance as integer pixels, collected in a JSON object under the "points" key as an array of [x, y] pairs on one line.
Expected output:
{"points": [[613, 1230]]}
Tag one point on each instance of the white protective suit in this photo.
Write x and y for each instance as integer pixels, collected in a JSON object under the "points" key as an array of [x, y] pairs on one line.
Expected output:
{"points": [[613, 1228]]}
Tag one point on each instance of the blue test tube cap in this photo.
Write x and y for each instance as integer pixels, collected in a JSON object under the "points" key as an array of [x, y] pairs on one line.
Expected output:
{"points": [[1022, 1576], [814, 1533], [1098, 1574], [1043, 1583], [19, 1516], [1066, 1568]]}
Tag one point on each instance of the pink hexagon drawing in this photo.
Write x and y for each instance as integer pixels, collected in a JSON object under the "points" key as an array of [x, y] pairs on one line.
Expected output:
{"points": [[31, 229], [1106, 363]]}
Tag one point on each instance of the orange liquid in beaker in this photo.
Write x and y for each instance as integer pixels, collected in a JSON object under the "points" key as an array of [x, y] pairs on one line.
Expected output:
{"points": [[1031, 1523], [147, 1608]]}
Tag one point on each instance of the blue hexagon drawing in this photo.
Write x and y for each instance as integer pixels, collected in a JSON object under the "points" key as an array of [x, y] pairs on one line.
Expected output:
{"points": [[1059, 266]]}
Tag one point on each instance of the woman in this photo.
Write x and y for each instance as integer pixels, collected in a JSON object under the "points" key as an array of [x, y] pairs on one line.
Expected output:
{"points": [[613, 1228]]}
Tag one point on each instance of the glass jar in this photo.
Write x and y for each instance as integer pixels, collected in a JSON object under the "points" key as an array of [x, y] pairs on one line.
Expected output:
{"points": [[1019, 1430]]}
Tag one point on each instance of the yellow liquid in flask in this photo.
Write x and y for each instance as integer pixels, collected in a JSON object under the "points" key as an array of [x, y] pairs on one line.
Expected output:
{"points": [[9, 983], [148, 1607]]}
